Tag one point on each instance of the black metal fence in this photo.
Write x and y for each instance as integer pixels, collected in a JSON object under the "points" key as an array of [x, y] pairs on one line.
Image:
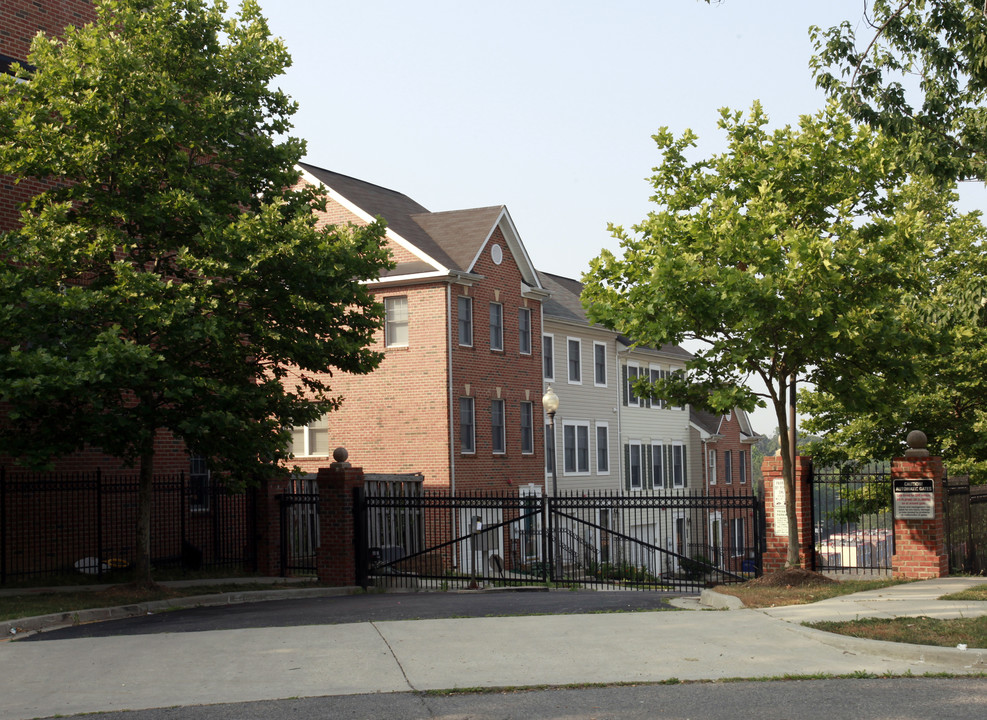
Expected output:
{"points": [[676, 542], [966, 526], [853, 523], [85, 523]]}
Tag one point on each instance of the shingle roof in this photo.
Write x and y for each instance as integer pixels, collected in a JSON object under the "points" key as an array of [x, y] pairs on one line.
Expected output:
{"points": [[710, 422], [564, 303], [460, 233], [396, 208]]}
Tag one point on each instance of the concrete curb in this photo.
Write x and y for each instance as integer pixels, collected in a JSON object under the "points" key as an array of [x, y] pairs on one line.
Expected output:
{"points": [[973, 659], [40, 623], [720, 601]]}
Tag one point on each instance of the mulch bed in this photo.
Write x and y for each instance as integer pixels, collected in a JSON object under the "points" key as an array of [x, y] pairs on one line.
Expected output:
{"points": [[790, 577]]}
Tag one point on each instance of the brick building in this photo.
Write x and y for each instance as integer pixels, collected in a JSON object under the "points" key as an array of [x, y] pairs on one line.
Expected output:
{"points": [[458, 394], [721, 446]]}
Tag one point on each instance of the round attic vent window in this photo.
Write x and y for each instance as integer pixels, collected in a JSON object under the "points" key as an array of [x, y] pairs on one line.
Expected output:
{"points": [[496, 254]]}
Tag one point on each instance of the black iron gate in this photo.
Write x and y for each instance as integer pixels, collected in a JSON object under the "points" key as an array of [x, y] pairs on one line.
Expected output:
{"points": [[966, 526], [299, 532], [853, 523], [676, 542]]}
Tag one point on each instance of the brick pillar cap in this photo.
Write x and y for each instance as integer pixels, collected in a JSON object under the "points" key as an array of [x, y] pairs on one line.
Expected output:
{"points": [[917, 442], [340, 455]]}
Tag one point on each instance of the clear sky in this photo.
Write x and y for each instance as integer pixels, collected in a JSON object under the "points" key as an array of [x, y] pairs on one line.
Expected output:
{"points": [[544, 106]]}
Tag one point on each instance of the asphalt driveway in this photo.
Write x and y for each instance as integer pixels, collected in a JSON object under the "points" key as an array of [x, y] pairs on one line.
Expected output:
{"points": [[343, 609]]}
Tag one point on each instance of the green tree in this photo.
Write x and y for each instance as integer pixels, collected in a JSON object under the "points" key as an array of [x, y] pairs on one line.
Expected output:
{"points": [[170, 280], [789, 256], [920, 75], [947, 396]]}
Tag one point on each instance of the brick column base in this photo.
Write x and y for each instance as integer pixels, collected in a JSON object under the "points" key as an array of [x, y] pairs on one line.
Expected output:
{"points": [[920, 545], [336, 560], [776, 553], [268, 528]]}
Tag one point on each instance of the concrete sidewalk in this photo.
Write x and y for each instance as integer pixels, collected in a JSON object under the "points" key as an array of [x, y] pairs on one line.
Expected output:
{"points": [[41, 679]]}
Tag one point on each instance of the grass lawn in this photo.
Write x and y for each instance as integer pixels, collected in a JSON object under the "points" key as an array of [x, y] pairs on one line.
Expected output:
{"points": [[971, 632], [33, 603]]}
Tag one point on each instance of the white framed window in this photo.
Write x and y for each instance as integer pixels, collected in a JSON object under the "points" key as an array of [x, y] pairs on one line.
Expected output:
{"points": [[716, 538], [599, 364], [496, 326], [527, 429], [711, 464], [727, 467], [548, 356], [311, 440], [742, 467], [467, 426], [524, 330], [575, 448], [497, 428], [737, 547], [396, 321], [659, 464], [634, 466], [465, 321], [574, 347], [602, 448], [678, 465], [630, 398], [199, 484], [654, 374]]}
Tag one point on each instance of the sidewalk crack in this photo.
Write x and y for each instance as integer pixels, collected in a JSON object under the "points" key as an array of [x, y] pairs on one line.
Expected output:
{"points": [[394, 655]]}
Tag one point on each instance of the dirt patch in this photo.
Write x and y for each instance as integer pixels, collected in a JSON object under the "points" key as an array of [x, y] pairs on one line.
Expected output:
{"points": [[791, 577]]}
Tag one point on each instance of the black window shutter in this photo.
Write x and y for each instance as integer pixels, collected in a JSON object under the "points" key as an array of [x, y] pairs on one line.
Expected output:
{"points": [[651, 470], [623, 374]]}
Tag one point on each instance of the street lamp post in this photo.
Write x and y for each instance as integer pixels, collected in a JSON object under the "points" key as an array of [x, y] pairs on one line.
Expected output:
{"points": [[550, 401]]}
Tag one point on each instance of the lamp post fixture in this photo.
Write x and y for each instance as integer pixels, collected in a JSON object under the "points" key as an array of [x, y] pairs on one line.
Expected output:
{"points": [[550, 401]]}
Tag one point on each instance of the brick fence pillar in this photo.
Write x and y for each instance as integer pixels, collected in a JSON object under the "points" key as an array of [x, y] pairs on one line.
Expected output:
{"points": [[336, 560], [776, 519], [920, 544], [268, 529]]}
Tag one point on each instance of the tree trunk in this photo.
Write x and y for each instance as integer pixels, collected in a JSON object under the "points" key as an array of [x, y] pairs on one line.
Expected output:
{"points": [[142, 565], [788, 476]]}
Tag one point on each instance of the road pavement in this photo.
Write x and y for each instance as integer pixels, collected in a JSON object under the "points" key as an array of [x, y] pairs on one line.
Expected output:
{"points": [[191, 664]]}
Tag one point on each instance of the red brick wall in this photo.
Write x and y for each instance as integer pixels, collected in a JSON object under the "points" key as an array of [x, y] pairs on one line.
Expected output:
{"points": [[776, 553], [920, 545], [20, 21], [516, 376]]}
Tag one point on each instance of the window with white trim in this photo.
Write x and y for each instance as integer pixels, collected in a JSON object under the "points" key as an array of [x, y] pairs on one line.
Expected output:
{"points": [[496, 326], [712, 467], [727, 467], [396, 321], [678, 466], [465, 321], [599, 364], [524, 330], [659, 471], [737, 547], [311, 440], [467, 425], [629, 397], [742, 467], [655, 374], [548, 356], [527, 429], [634, 476], [574, 348], [497, 427], [602, 448], [575, 448]]}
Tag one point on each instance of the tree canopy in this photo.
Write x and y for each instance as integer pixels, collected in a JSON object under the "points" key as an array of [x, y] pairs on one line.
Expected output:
{"points": [[919, 74], [792, 255], [172, 276]]}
